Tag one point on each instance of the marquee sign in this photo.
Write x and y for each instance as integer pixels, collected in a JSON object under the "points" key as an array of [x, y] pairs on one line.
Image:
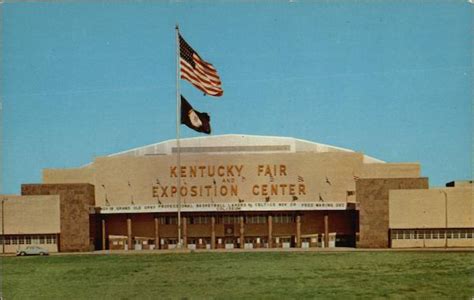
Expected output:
{"points": [[224, 207], [224, 181], [156, 181]]}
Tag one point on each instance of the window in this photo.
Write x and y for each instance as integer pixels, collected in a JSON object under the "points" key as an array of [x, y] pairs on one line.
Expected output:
{"points": [[401, 234], [449, 234], [463, 233], [394, 235], [255, 219], [14, 240], [48, 239], [419, 234], [28, 240], [230, 219], [198, 220], [21, 240], [7, 240], [469, 233], [168, 220], [397, 234], [428, 234], [455, 234], [435, 234], [442, 234], [41, 239], [1, 240], [283, 218], [406, 235]]}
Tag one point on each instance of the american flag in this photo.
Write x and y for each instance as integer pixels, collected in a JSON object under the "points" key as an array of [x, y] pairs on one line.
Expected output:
{"points": [[200, 73]]}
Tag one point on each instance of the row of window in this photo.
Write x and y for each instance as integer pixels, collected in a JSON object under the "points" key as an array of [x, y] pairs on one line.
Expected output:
{"points": [[230, 219], [427, 234], [28, 239], [225, 240]]}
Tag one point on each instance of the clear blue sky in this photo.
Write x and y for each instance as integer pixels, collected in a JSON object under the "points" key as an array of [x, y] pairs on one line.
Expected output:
{"points": [[390, 79]]}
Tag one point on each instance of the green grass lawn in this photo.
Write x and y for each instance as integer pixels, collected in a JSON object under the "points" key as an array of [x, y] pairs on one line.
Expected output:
{"points": [[429, 275]]}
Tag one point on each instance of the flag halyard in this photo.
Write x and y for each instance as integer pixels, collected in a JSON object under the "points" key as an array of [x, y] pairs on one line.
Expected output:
{"points": [[198, 72]]}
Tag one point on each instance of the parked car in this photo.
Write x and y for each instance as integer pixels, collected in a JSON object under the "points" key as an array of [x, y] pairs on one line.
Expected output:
{"points": [[32, 250]]}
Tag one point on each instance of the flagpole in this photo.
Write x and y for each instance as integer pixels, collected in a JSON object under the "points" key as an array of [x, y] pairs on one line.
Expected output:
{"points": [[178, 124]]}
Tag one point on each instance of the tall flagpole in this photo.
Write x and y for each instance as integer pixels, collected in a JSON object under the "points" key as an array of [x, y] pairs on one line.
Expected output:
{"points": [[178, 124]]}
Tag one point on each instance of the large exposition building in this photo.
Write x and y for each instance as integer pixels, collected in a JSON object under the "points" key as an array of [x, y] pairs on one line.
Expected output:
{"points": [[237, 191]]}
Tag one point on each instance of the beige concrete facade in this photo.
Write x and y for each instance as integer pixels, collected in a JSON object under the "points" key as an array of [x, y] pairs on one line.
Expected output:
{"points": [[242, 191], [228, 178], [439, 217], [79, 175], [373, 201], [433, 208], [240, 170], [29, 220], [76, 202], [29, 215]]}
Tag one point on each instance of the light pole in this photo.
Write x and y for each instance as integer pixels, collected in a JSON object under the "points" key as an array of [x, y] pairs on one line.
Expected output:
{"points": [[3, 225], [445, 218]]}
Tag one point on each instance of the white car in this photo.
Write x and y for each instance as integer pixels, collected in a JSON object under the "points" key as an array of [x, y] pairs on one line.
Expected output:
{"points": [[32, 250]]}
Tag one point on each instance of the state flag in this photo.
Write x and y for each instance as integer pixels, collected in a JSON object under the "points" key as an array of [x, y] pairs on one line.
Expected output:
{"points": [[199, 121]]}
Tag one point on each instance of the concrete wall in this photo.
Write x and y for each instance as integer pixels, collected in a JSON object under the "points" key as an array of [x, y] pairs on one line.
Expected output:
{"points": [[433, 208], [372, 196], [447, 211], [30, 214], [149, 176], [83, 175], [75, 203], [390, 170], [149, 179], [430, 243]]}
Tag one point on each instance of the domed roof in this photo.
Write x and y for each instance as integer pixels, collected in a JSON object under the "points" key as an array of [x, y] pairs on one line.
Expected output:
{"points": [[236, 144]]}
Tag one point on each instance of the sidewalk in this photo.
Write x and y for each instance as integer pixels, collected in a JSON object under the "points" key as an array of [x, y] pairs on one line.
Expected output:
{"points": [[313, 250], [317, 250]]}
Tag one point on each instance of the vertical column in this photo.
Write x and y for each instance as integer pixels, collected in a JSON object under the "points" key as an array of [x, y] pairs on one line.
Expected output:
{"points": [[270, 231], [213, 232], [103, 234], [326, 230], [157, 233], [242, 240], [298, 231], [185, 231], [129, 232]]}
